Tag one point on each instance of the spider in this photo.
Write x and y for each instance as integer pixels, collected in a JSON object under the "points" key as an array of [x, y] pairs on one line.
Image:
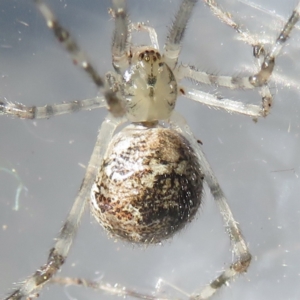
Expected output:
{"points": [[133, 81]]}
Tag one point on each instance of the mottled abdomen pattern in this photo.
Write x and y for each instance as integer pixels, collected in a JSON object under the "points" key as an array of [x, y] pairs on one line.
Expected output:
{"points": [[149, 186]]}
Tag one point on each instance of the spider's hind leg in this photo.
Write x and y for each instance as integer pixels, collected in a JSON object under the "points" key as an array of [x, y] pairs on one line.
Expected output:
{"points": [[240, 251], [59, 252]]}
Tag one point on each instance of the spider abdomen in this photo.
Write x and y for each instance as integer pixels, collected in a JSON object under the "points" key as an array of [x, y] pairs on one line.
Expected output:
{"points": [[149, 185]]}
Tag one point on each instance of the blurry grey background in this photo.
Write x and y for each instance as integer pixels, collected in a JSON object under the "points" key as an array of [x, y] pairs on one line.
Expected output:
{"points": [[257, 164]]}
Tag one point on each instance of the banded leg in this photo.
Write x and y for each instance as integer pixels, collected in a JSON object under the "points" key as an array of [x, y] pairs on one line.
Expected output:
{"points": [[120, 37], [176, 33], [244, 34], [227, 19], [139, 26], [115, 104], [258, 80], [45, 112], [59, 252], [268, 61], [266, 66], [255, 111], [241, 254], [96, 285], [231, 106]]}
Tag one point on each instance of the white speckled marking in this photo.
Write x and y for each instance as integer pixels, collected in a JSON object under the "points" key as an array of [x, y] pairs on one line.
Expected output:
{"points": [[149, 186]]}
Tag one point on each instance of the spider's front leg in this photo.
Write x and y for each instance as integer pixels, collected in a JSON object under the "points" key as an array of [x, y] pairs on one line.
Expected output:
{"points": [[259, 80], [60, 251], [115, 105], [267, 66], [79, 58]]}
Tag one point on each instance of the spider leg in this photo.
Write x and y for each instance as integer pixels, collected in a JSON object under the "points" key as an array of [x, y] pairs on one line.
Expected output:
{"points": [[230, 106], [268, 63], [59, 252], [119, 44], [138, 26], [258, 80], [176, 33], [242, 256], [227, 19], [211, 100], [267, 66], [45, 112], [231, 82], [247, 37], [79, 58], [120, 37], [258, 52], [99, 285]]}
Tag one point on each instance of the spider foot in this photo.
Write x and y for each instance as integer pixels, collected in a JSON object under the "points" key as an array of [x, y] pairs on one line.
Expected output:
{"points": [[16, 109]]}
